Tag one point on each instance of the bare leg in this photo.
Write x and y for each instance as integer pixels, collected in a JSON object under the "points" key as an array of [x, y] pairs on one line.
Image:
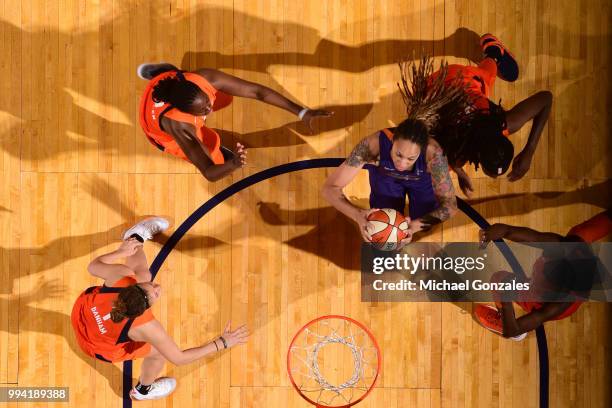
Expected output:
{"points": [[151, 367]]}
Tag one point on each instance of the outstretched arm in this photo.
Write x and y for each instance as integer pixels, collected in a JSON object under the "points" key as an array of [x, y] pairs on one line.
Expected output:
{"points": [[516, 234], [155, 334], [536, 107], [531, 321], [239, 87]]}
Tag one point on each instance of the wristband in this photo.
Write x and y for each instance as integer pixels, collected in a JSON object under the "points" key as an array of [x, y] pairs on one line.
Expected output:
{"points": [[302, 113], [215, 343], [223, 341]]}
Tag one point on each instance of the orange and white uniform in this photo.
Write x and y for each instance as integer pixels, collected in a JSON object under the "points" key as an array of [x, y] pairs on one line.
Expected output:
{"points": [[100, 337], [150, 113]]}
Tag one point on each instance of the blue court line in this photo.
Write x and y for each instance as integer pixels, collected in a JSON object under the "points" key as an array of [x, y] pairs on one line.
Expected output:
{"points": [[518, 271], [315, 164]]}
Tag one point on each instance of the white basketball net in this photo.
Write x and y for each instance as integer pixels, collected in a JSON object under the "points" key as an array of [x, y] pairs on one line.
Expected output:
{"points": [[307, 354]]}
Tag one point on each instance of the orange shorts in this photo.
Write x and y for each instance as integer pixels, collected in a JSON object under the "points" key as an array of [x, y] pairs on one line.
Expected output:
{"points": [[127, 351]]}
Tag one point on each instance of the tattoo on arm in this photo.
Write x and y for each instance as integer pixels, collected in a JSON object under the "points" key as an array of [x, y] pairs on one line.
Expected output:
{"points": [[443, 189], [360, 155]]}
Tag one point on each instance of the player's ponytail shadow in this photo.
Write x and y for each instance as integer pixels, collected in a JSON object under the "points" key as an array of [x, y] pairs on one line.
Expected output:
{"points": [[38, 320]]}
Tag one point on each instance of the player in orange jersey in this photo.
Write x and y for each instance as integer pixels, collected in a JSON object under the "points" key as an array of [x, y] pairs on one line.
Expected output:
{"points": [[175, 104], [114, 322], [483, 139], [550, 275]]}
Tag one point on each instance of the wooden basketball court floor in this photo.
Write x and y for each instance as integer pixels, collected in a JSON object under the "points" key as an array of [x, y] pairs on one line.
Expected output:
{"points": [[76, 170]]}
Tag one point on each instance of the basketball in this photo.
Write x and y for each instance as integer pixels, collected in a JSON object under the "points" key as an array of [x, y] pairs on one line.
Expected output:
{"points": [[387, 227]]}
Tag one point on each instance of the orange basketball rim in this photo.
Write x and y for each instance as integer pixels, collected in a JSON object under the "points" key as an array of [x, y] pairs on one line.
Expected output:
{"points": [[334, 361]]}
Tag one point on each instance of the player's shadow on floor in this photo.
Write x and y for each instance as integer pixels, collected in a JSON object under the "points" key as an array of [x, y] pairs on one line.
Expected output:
{"points": [[332, 237], [329, 226], [39, 320], [98, 114], [330, 54], [294, 133], [35, 319], [109, 196], [54, 252], [598, 194], [92, 117]]}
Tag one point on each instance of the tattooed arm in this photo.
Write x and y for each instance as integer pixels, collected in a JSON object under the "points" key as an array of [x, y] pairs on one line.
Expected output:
{"points": [[366, 151], [437, 165]]}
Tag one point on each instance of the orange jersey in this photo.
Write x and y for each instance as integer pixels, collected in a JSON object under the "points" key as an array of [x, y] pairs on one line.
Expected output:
{"points": [[150, 112], [540, 285], [100, 337], [478, 81], [589, 231]]}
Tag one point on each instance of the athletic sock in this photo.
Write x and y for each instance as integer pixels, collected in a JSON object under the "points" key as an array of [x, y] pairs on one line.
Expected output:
{"points": [[143, 389], [138, 238]]}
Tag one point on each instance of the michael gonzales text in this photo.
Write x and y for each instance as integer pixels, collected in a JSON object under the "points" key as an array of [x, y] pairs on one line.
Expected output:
{"points": [[443, 285]]}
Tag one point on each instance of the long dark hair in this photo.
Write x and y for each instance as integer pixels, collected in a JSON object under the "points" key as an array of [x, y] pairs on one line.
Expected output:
{"points": [[449, 113], [131, 302], [426, 97], [178, 92], [477, 139]]}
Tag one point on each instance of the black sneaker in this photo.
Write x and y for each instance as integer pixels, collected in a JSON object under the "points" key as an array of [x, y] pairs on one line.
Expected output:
{"points": [[507, 67], [148, 70]]}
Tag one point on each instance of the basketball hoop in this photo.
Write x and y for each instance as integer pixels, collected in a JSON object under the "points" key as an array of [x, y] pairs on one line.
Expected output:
{"points": [[333, 361]]}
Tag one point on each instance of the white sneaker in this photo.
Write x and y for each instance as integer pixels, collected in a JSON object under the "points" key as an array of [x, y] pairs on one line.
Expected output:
{"points": [[162, 387], [147, 228], [150, 70], [519, 337]]}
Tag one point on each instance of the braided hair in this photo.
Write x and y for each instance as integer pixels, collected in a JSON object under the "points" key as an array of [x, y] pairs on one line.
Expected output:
{"points": [[182, 94], [426, 97], [131, 302], [477, 139], [465, 133]]}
